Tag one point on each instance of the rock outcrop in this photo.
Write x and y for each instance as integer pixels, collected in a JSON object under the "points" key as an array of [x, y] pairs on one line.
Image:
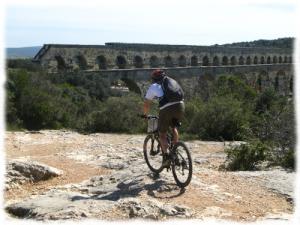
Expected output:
{"points": [[21, 171], [127, 188]]}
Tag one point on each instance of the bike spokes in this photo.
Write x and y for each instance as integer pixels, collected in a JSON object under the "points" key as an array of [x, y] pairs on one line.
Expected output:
{"points": [[182, 165], [151, 154]]}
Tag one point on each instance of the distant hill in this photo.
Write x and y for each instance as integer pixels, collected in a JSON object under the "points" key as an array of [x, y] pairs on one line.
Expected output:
{"points": [[276, 43], [24, 52]]}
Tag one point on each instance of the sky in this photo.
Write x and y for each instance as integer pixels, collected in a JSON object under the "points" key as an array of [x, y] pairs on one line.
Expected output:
{"points": [[190, 22]]}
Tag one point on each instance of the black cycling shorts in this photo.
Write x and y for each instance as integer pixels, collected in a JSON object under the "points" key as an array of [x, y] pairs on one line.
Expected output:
{"points": [[169, 113]]}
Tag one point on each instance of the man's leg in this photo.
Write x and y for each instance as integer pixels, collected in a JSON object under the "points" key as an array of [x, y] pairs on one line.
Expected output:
{"points": [[175, 135], [164, 146], [178, 115], [163, 125], [163, 142]]}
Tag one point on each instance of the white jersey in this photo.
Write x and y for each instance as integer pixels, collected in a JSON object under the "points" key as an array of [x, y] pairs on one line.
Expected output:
{"points": [[155, 92]]}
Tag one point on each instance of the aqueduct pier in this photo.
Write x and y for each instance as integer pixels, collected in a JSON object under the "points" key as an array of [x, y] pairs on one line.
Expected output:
{"points": [[260, 67]]}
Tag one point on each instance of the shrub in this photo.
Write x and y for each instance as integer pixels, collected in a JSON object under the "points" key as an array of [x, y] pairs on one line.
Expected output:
{"points": [[267, 100], [24, 64], [39, 111], [246, 156], [96, 86], [235, 87], [118, 114], [275, 125], [289, 159], [34, 102], [220, 119], [192, 108]]}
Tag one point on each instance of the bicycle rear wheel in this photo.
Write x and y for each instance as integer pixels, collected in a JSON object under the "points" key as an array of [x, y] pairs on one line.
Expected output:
{"points": [[153, 153], [182, 167]]}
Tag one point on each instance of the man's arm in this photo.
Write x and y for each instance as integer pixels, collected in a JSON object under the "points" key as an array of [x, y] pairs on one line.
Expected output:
{"points": [[146, 107]]}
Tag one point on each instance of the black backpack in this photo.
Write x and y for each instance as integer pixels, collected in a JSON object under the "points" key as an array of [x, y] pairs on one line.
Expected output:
{"points": [[172, 90]]}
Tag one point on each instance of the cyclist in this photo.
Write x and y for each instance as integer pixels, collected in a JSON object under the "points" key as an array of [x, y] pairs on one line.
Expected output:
{"points": [[170, 111]]}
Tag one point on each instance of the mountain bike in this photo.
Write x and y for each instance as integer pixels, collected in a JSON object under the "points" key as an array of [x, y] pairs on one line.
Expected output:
{"points": [[180, 157]]}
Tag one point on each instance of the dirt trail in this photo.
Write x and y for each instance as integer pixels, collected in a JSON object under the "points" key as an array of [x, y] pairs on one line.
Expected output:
{"points": [[212, 193]]}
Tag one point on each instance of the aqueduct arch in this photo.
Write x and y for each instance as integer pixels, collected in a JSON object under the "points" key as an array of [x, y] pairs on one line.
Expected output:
{"points": [[216, 61], [248, 60], [138, 61], [255, 60], [154, 62], [168, 61], [121, 62], [281, 82], [133, 63], [101, 62], [81, 62], [182, 61], [241, 60], [263, 80], [130, 56], [233, 60], [205, 61], [61, 65], [194, 61], [225, 60]]}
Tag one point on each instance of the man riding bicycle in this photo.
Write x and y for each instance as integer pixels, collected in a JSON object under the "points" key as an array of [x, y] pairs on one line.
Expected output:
{"points": [[171, 107]]}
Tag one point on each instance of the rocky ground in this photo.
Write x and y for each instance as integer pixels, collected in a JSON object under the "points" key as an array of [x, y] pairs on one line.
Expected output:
{"points": [[58, 175]]}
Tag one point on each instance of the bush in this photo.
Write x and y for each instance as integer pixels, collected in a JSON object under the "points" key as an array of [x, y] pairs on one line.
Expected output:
{"points": [[220, 119], [289, 159], [234, 87], [246, 156], [192, 108], [39, 111], [96, 86], [34, 102], [268, 100], [118, 114], [23, 64]]}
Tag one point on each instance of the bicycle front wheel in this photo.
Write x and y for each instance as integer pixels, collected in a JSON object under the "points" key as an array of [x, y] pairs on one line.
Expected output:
{"points": [[182, 167], [153, 153]]}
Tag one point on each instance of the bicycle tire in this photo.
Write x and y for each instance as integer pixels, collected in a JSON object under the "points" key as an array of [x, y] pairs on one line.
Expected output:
{"points": [[180, 183], [156, 169]]}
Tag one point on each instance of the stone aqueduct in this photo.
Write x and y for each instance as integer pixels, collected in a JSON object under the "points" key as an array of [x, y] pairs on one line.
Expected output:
{"points": [[260, 67]]}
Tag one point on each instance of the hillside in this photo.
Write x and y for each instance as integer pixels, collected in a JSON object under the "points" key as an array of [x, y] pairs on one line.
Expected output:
{"points": [[276, 43], [24, 52]]}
